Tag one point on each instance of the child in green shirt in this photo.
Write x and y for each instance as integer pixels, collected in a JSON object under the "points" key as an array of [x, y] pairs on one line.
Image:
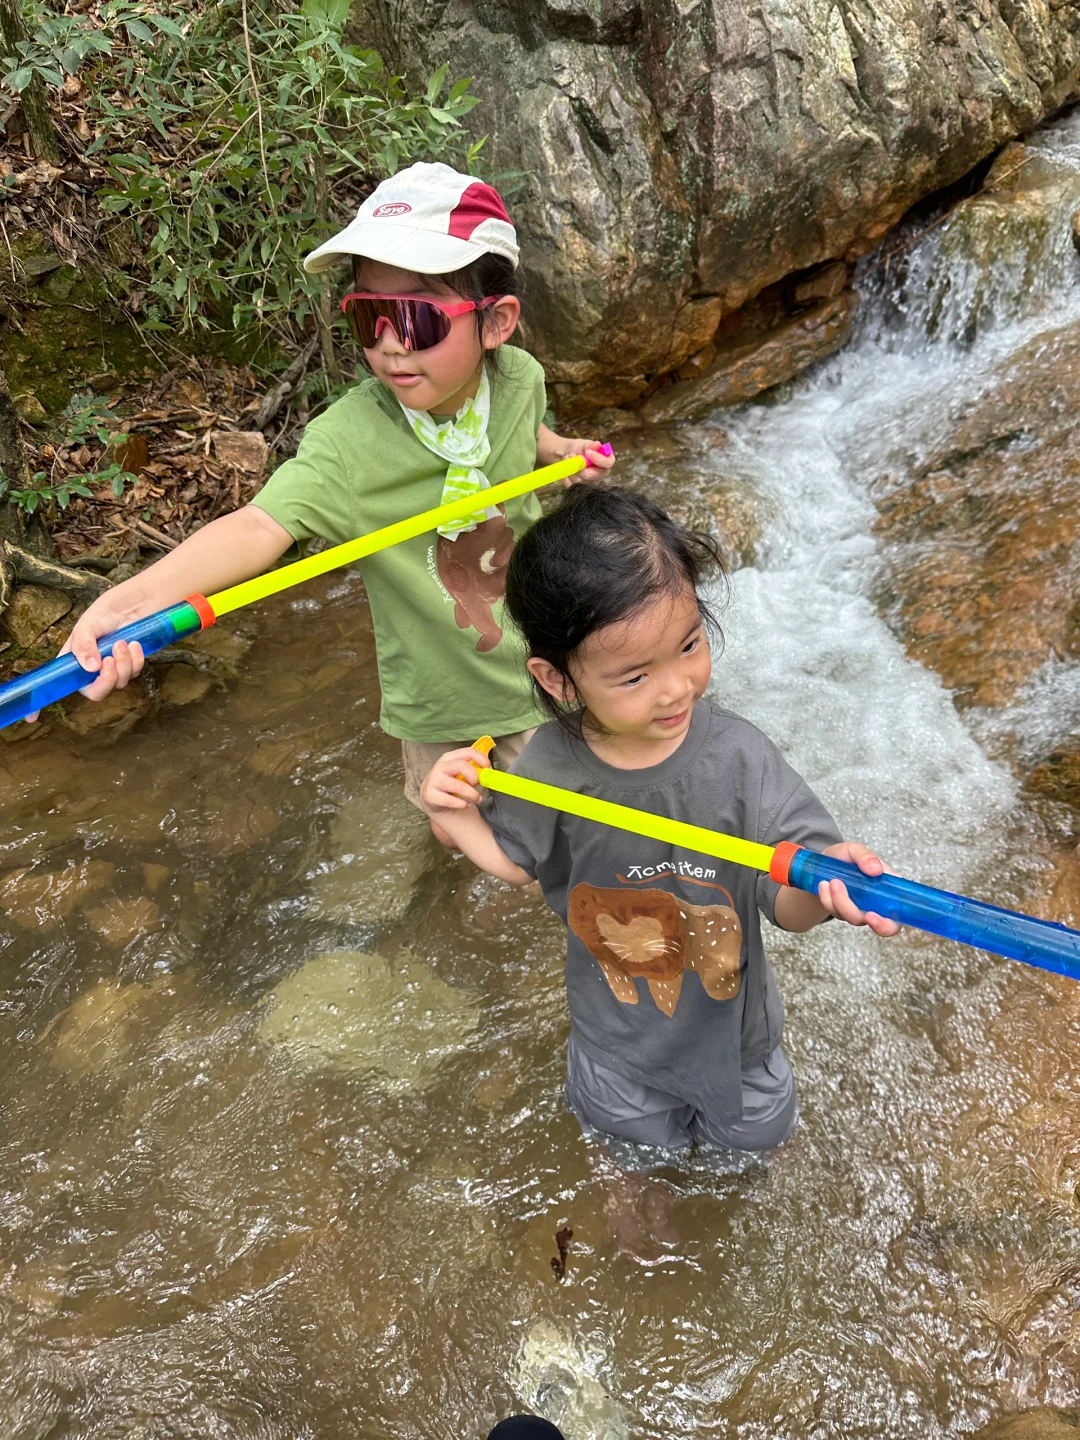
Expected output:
{"points": [[445, 412]]}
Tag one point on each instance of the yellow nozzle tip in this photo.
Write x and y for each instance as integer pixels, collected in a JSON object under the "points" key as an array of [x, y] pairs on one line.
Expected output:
{"points": [[485, 745]]}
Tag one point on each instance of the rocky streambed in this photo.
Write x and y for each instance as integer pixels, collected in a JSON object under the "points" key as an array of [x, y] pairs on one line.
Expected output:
{"points": [[283, 1148]]}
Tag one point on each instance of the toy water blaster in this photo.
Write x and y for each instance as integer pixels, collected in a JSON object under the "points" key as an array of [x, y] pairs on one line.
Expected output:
{"points": [[1041, 943], [64, 675]]}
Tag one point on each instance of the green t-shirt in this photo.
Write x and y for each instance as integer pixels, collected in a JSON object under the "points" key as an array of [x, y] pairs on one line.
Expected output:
{"points": [[448, 667]]}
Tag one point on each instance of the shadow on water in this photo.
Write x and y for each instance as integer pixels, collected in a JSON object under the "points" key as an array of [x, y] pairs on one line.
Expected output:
{"points": [[283, 1151]]}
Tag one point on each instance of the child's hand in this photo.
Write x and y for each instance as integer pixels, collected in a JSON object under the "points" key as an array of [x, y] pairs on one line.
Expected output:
{"points": [[599, 463], [550, 448], [833, 893], [116, 669], [443, 788]]}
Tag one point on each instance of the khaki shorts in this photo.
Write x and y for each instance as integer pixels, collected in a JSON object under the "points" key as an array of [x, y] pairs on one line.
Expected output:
{"points": [[420, 755]]}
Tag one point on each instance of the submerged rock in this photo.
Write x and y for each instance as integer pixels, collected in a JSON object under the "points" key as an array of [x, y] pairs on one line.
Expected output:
{"points": [[37, 899], [184, 686], [110, 718], [554, 1380], [1058, 778], [355, 1013], [380, 847], [100, 1030], [1042, 1424], [118, 921]]}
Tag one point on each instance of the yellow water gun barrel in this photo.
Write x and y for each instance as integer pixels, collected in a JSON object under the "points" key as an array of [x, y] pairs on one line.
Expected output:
{"points": [[248, 591]]}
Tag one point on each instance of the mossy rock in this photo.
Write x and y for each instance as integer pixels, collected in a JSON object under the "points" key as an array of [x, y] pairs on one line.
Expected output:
{"points": [[71, 333]]}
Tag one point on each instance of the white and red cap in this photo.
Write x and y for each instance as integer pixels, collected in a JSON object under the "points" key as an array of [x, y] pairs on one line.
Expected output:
{"points": [[428, 218]]}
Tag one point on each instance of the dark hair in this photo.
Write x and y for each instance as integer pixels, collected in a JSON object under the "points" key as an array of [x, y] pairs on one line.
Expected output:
{"points": [[490, 275], [596, 560]]}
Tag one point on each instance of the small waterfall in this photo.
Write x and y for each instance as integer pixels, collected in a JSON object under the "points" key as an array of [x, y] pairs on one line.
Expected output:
{"points": [[808, 657], [1003, 257]]}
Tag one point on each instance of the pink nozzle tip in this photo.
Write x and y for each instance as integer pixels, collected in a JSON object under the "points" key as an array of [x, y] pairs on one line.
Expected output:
{"points": [[606, 450]]}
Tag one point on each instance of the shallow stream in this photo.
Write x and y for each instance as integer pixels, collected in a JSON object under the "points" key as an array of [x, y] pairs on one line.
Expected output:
{"points": [[283, 1152]]}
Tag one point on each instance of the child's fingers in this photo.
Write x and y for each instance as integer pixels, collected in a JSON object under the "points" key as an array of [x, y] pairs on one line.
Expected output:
{"points": [[834, 896], [82, 643], [457, 764], [600, 459], [867, 861], [124, 662], [105, 682]]}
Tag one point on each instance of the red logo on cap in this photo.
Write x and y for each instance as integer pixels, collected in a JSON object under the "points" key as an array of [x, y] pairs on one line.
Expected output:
{"points": [[397, 208]]}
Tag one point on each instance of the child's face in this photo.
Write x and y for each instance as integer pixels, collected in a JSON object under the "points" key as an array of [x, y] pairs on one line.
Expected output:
{"points": [[641, 678], [442, 378]]}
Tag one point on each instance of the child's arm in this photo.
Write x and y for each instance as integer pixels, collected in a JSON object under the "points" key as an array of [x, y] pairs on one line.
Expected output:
{"points": [[451, 802], [551, 448], [228, 550], [798, 910]]}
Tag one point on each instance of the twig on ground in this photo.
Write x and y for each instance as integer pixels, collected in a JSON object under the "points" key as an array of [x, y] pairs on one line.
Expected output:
{"points": [[282, 388], [157, 536]]}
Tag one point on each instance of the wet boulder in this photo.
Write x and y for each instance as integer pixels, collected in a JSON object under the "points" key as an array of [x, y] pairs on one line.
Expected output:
{"points": [[33, 609], [354, 1013], [980, 538], [676, 160]]}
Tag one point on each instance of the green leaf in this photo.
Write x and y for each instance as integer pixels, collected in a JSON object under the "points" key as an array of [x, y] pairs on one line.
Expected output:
{"points": [[118, 485], [326, 14], [19, 79], [436, 82]]}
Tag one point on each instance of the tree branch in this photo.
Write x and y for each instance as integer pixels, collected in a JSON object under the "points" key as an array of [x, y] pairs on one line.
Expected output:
{"points": [[282, 388], [33, 570]]}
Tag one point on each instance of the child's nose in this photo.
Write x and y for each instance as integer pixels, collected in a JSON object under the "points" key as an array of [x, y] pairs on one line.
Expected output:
{"points": [[387, 339]]}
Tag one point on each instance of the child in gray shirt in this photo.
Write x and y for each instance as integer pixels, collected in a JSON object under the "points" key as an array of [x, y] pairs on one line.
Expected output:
{"points": [[675, 1015]]}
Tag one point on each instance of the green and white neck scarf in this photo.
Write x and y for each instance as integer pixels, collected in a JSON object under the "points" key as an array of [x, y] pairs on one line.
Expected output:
{"points": [[463, 441]]}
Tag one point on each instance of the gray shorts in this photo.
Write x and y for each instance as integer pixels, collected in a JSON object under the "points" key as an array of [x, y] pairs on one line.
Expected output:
{"points": [[604, 1100]]}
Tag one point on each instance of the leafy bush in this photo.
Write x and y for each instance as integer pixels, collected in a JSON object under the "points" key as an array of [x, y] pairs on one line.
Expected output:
{"points": [[234, 137], [84, 418]]}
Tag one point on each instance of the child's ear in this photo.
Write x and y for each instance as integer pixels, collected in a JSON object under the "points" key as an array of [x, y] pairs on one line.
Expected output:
{"points": [[549, 679], [500, 321]]}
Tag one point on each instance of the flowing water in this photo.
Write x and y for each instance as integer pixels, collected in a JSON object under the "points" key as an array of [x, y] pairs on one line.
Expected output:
{"points": [[283, 1151]]}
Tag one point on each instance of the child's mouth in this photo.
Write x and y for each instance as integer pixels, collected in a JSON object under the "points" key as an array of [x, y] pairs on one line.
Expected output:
{"points": [[405, 380], [671, 721]]}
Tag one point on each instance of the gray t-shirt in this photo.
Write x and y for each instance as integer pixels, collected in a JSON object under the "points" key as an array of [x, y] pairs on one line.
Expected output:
{"points": [[666, 974]]}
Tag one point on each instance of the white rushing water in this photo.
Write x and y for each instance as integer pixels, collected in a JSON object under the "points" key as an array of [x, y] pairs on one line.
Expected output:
{"points": [[807, 656]]}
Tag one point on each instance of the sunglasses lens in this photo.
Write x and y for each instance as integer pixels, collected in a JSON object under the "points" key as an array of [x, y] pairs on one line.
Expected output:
{"points": [[415, 322], [429, 324], [362, 318]]}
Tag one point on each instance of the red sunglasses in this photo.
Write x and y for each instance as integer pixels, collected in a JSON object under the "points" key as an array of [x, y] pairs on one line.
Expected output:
{"points": [[418, 324]]}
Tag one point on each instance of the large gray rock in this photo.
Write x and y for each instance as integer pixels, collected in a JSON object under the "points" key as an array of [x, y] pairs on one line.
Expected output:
{"points": [[670, 160]]}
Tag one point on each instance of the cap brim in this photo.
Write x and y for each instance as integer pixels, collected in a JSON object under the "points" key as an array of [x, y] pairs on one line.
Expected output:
{"points": [[402, 245]]}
